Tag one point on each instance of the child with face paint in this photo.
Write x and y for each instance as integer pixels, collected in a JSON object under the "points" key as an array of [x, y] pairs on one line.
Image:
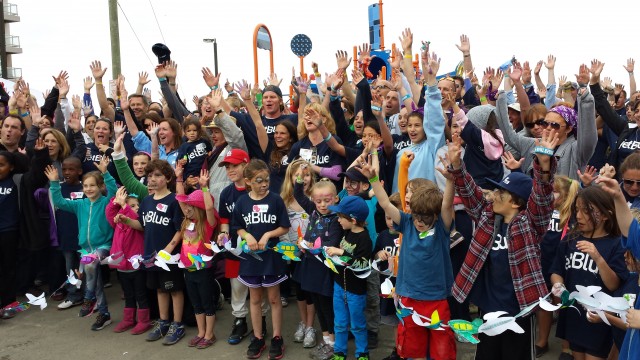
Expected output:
{"points": [[590, 255]]}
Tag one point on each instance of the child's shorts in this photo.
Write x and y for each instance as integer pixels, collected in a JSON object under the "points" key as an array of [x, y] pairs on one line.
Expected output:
{"points": [[166, 281], [415, 341], [261, 281]]}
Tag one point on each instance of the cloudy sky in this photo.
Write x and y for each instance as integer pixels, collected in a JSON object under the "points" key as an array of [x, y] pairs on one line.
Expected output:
{"points": [[69, 35]]}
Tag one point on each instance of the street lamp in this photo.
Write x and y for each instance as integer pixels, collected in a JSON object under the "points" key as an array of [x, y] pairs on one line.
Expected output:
{"points": [[215, 53]]}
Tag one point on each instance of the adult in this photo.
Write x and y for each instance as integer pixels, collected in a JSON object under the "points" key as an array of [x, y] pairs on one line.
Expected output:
{"points": [[630, 180], [576, 132]]}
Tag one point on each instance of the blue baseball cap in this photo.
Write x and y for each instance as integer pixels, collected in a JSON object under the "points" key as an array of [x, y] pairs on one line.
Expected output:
{"points": [[353, 206], [516, 183]]}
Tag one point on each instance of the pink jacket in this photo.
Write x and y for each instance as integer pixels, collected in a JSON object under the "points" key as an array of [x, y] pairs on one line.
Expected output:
{"points": [[125, 239]]}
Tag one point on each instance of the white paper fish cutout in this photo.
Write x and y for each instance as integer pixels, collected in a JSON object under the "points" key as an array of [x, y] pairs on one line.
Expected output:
{"points": [[37, 301]]}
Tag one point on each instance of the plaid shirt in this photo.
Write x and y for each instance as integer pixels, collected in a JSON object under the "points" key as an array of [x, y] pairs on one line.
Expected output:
{"points": [[525, 232]]}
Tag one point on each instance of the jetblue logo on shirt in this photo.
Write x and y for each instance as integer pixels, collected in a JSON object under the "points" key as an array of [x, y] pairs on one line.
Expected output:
{"points": [[506, 180], [259, 217], [5, 191], [153, 218], [581, 261], [270, 129], [199, 151], [402, 144], [320, 160], [499, 243], [554, 224], [631, 145], [96, 158], [230, 207], [285, 160]]}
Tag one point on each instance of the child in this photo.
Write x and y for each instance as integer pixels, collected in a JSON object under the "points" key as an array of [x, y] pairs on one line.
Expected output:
{"points": [[299, 219], [67, 227], [234, 163], [160, 218], [590, 255], [197, 228], [94, 233], [425, 233], [196, 149], [387, 248], [139, 162], [501, 271], [350, 291], [10, 203], [316, 279], [260, 217], [128, 242], [630, 229], [564, 193]]}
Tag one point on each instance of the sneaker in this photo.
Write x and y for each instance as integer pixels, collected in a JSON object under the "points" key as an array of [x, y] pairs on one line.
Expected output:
{"points": [[102, 320], [338, 356], [363, 356], [309, 338], [256, 348], [323, 351], [298, 336], [238, 331], [159, 330], [541, 350], [175, 333], [87, 308], [276, 351], [69, 304], [372, 338], [284, 301]]}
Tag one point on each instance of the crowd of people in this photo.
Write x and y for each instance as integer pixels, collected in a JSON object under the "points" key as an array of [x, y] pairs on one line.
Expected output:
{"points": [[472, 195]]}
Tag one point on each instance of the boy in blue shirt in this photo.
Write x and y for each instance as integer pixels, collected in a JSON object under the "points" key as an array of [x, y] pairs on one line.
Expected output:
{"points": [[425, 247]]}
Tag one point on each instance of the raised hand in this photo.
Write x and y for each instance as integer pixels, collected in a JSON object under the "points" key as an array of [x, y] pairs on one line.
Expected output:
{"points": [[342, 60], [443, 170], [119, 128], [124, 97], [121, 197], [364, 53], [596, 68], [171, 69], [337, 82], [551, 62], [52, 173], [587, 176], [76, 102], [215, 98], [62, 76], [366, 168], [36, 116], [63, 87], [617, 90], [536, 70], [608, 171], [455, 151], [313, 116], [465, 45], [611, 186], [273, 80], [607, 83], [74, 121], [203, 180], [582, 77], [88, 84], [516, 72], [153, 129], [143, 78], [631, 64], [430, 69], [102, 165], [147, 94], [356, 76], [302, 85], [549, 140], [397, 59], [179, 169], [96, 70], [243, 89], [161, 71], [526, 73], [39, 144], [562, 80], [510, 162], [228, 87], [406, 40]]}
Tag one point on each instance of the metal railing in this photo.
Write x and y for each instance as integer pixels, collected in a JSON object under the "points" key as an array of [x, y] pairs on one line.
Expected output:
{"points": [[12, 41], [10, 9], [13, 73]]}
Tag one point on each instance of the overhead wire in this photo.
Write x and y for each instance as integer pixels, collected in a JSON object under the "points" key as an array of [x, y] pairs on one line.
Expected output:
{"points": [[135, 34], [157, 23]]}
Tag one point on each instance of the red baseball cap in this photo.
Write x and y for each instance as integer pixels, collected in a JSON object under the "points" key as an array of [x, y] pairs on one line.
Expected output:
{"points": [[235, 156]]}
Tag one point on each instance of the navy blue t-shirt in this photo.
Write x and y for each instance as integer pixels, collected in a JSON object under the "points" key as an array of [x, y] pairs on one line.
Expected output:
{"points": [[248, 128], [401, 141], [493, 289], [277, 171], [476, 162], [549, 245], [67, 222], [578, 268], [228, 198], [196, 152], [9, 204], [389, 242], [257, 217], [94, 155], [320, 155], [160, 220]]}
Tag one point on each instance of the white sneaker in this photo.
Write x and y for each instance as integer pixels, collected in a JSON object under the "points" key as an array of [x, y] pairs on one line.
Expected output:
{"points": [[309, 338], [298, 336], [68, 304]]}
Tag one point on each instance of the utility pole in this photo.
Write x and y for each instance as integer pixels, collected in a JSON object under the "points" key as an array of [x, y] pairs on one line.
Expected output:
{"points": [[3, 44], [115, 38], [215, 53]]}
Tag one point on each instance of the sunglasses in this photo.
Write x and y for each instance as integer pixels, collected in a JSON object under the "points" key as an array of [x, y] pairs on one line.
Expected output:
{"points": [[630, 182], [543, 123]]}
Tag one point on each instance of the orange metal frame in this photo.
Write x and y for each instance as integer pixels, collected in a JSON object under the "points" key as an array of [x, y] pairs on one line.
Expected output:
{"points": [[255, 51]]}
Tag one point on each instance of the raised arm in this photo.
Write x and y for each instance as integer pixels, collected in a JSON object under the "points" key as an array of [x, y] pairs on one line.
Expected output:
{"points": [[369, 171], [515, 140], [406, 40], [587, 134], [243, 89], [536, 73], [623, 214], [433, 122], [632, 79], [602, 106], [164, 73], [143, 79], [98, 72], [465, 48], [209, 207], [125, 174]]}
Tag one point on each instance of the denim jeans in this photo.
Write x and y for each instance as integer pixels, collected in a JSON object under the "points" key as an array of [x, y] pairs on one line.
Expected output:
{"points": [[72, 262], [93, 280], [348, 309]]}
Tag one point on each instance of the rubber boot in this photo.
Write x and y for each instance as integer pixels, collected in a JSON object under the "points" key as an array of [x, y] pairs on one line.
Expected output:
{"points": [[127, 320], [143, 324]]}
